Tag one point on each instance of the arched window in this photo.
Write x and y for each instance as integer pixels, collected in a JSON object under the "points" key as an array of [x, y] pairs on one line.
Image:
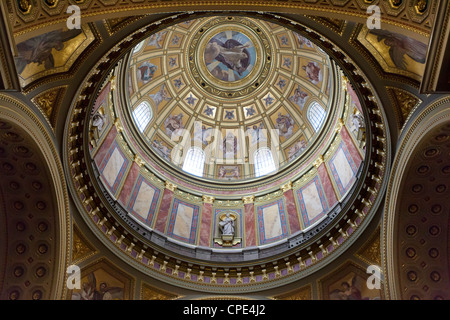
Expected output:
{"points": [[194, 161], [142, 115], [316, 115], [264, 162]]}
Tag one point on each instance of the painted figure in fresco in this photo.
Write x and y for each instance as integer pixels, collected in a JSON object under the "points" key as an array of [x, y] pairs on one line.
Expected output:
{"points": [[400, 45], [146, 71], [285, 125], [302, 41], [232, 54], [161, 149], [201, 133], [89, 291], [226, 172], [299, 97], [313, 72], [349, 291], [39, 49], [221, 74], [155, 39], [296, 149], [230, 145], [174, 124], [227, 225], [160, 96], [257, 133]]}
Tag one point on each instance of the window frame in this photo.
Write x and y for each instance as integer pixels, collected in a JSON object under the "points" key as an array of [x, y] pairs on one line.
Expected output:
{"points": [[140, 117], [316, 120], [195, 160]]}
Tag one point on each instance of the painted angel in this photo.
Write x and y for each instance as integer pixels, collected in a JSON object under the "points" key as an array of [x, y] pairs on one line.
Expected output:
{"points": [[400, 45], [39, 49]]}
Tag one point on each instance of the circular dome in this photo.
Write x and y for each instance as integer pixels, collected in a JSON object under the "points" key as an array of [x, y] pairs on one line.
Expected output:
{"points": [[229, 98], [146, 131]]}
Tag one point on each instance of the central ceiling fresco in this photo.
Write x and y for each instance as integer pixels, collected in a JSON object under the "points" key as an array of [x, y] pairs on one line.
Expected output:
{"points": [[229, 86]]}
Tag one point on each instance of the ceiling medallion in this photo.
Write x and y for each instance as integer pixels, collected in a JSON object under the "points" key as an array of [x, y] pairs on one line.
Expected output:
{"points": [[229, 57]]}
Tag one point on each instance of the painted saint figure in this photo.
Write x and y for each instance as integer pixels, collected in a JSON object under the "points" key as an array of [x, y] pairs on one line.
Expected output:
{"points": [[285, 125], [313, 72], [160, 96], [174, 124], [146, 71], [299, 97]]}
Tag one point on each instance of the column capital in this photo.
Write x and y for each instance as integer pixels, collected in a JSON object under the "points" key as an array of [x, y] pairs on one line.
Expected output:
{"points": [[286, 187], [208, 199], [248, 199]]}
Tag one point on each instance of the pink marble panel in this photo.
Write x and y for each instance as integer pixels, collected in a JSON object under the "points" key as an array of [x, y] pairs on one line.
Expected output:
{"points": [[250, 229], [129, 183], [291, 209], [103, 149], [205, 226], [352, 149], [163, 212], [327, 185]]}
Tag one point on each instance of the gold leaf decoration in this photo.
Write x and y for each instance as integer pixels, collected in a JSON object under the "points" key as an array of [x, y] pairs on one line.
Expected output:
{"points": [[49, 102], [405, 102], [304, 293], [81, 249], [371, 250], [151, 293]]}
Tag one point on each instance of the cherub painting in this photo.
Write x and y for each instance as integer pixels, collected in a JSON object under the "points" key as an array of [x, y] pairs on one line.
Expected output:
{"points": [[228, 172], [303, 42], [156, 39]]}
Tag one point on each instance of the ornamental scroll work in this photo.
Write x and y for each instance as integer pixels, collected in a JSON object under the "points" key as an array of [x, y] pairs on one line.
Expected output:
{"points": [[227, 229]]}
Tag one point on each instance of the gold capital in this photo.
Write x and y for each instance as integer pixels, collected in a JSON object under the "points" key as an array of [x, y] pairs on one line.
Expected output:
{"points": [[138, 160], [287, 186], [171, 186], [248, 199], [319, 161], [208, 199]]}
